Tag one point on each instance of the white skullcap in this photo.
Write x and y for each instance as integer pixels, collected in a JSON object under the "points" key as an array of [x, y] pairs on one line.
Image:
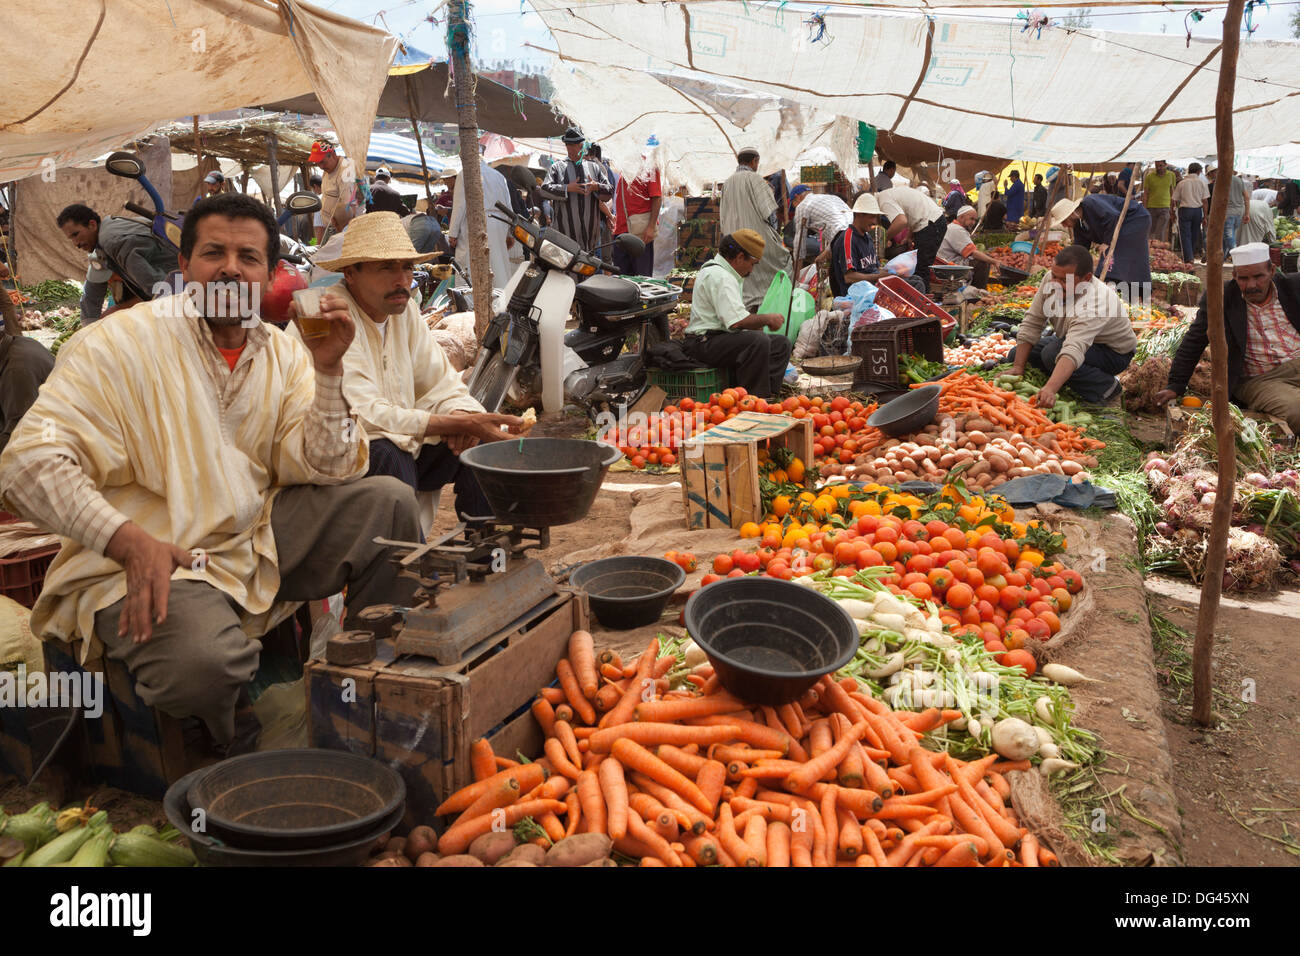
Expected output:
{"points": [[963, 210], [1250, 254]]}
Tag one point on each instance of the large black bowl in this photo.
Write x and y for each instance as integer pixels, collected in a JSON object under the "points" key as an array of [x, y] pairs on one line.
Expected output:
{"points": [[769, 640], [212, 851], [907, 413], [628, 591], [296, 799], [540, 482]]}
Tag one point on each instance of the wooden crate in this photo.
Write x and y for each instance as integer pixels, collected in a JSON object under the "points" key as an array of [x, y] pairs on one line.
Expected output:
{"points": [[720, 467], [421, 718]]}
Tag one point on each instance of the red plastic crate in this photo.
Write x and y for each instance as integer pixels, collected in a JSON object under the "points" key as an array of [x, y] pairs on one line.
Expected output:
{"points": [[22, 575], [904, 301]]}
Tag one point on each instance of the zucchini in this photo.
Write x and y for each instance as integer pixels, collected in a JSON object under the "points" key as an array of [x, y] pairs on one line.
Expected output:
{"points": [[35, 828], [137, 849], [61, 849], [94, 852]]}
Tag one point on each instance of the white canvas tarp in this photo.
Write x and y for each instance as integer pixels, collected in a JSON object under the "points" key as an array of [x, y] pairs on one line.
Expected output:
{"points": [[699, 126], [82, 77], [977, 85]]}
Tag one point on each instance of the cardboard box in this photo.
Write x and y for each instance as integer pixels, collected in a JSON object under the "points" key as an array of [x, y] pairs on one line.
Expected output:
{"points": [[421, 718], [720, 468]]}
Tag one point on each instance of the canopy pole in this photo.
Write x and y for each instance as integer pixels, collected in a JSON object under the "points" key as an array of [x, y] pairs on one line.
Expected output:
{"points": [[1045, 224], [273, 161], [1225, 436], [419, 142], [1119, 224], [198, 147], [480, 266]]}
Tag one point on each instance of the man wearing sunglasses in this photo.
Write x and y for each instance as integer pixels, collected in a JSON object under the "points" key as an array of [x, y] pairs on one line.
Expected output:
{"points": [[723, 333]]}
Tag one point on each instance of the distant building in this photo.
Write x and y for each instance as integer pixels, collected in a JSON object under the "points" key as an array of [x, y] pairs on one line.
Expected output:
{"points": [[445, 137], [529, 84]]}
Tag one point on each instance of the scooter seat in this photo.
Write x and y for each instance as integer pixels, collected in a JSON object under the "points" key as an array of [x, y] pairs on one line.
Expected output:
{"points": [[608, 294]]}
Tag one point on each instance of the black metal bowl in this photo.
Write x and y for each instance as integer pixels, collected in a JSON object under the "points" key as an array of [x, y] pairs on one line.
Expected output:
{"points": [[540, 482], [769, 640], [212, 851], [628, 591], [907, 413], [295, 799]]}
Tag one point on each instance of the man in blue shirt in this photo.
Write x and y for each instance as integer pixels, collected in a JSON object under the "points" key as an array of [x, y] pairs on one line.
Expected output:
{"points": [[1015, 198]]}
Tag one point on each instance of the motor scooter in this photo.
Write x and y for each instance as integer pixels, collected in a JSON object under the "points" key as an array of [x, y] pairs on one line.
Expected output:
{"points": [[527, 352]]}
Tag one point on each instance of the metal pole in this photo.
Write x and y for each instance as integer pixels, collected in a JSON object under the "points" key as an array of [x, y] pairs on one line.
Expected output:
{"points": [[419, 143], [480, 265], [1221, 518]]}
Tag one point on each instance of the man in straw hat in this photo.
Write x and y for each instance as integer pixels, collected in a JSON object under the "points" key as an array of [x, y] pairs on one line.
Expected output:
{"points": [[1261, 315], [1093, 219], [201, 469], [415, 408], [723, 333]]}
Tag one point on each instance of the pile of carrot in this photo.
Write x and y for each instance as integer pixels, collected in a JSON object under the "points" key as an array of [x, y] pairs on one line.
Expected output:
{"points": [[696, 777], [965, 394]]}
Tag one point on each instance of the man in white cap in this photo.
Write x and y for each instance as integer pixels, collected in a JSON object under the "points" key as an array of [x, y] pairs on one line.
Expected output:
{"points": [[197, 508], [383, 197], [748, 203], [1261, 315], [854, 256], [1092, 338], [958, 247], [724, 333], [495, 190], [413, 404]]}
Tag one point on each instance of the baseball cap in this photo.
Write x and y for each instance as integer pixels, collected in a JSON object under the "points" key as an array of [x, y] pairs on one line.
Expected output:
{"points": [[383, 172], [319, 150], [799, 191], [214, 177]]}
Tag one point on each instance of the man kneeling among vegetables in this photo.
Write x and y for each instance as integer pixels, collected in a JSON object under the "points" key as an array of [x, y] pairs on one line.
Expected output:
{"points": [[200, 470], [1092, 340]]}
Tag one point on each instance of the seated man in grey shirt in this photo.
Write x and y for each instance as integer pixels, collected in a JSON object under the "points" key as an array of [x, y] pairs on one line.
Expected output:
{"points": [[24, 366]]}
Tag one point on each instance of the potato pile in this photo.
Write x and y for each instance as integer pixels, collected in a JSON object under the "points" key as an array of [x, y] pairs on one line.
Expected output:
{"points": [[419, 849], [983, 455]]}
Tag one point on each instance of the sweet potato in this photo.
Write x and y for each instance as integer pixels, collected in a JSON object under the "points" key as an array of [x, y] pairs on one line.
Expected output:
{"points": [[603, 861], [517, 863], [460, 859], [528, 851], [579, 849], [395, 860], [419, 841], [427, 859], [491, 847]]}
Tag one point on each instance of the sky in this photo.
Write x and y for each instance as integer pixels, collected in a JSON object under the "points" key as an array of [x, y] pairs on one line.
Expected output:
{"points": [[503, 29]]}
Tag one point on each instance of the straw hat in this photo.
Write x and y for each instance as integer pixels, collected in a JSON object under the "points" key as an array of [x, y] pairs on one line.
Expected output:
{"points": [[375, 237], [1063, 209]]}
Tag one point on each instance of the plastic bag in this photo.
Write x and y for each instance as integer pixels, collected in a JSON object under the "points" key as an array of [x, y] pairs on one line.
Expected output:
{"points": [[777, 300], [808, 278], [903, 265]]}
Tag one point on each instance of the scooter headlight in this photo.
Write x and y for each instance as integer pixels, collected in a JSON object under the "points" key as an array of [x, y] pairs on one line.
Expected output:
{"points": [[554, 255]]}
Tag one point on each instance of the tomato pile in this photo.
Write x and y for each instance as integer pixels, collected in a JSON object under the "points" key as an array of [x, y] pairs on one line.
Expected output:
{"points": [[989, 575], [839, 425]]}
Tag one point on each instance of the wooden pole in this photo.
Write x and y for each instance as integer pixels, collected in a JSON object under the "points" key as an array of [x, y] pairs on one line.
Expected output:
{"points": [[480, 266], [419, 142], [1119, 224], [1221, 518], [273, 160], [1045, 224], [198, 145]]}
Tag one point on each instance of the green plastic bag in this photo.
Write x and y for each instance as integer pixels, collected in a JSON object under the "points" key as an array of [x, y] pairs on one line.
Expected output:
{"points": [[778, 301]]}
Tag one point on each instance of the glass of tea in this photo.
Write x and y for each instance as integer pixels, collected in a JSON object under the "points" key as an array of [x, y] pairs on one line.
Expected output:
{"points": [[310, 324]]}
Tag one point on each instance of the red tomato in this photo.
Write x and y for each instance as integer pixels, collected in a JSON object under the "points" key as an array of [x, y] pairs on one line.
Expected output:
{"points": [[747, 562]]}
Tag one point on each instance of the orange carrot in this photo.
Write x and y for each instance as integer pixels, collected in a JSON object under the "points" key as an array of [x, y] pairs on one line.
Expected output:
{"points": [[801, 842], [948, 841], [501, 794], [698, 822], [1046, 857], [710, 779], [482, 760], [564, 712], [1006, 766], [1000, 785], [653, 734], [638, 830], [903, 852], [702, 849], [755, 836], [676, 757], [970, 820], [527, 777], [850, 837], [730, 840], [573, 811], [592, 801], [1007, 833], [965, 853], [653, 813], [871, 842], [612, 672], [544, 714], [613, 788], [820, 737], [553, 695], [876, 778], [635, 757], [582, 655], [551, 824], [651, 861], [815, 768], [564, 734], [1029, 849], [621, 713], [670, 710], [459, 836], [891, 810], [504, 763], [606, 698], [573, 692], [778, 844], [554, 751], [751, 732], [742, 753], [663, 665], [851, 772], [829, 819]]}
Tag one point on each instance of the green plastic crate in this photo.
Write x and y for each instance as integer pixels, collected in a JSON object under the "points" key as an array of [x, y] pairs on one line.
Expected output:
{"points": [[696, 383]]}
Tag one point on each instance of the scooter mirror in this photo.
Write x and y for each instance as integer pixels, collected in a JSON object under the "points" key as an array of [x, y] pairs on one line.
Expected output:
{"points": [[126, 165], [630, 244], [302, 203]]}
